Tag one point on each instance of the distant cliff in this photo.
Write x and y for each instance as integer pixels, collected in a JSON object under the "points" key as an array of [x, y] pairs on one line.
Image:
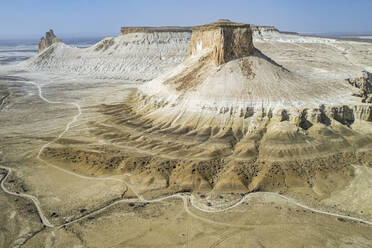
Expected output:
{"points": [[267, 29], [258, 30], [171, 29]]}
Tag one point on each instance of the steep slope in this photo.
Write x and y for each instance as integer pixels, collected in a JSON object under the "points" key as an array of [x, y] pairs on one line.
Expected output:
{"points": [[224, 70]]}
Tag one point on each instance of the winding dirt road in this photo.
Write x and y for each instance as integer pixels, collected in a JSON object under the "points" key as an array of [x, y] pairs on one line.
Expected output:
{"points": [[187, 198], [36, 202]]}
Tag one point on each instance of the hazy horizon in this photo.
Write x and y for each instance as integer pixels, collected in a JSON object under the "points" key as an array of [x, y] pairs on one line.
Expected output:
{"points": [[83, 18]]}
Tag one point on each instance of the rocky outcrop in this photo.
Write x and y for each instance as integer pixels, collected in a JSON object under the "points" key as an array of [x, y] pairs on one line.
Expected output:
{"points": [[227, 40], [48, 40], [263, 29], [364, 84], [259, 30]]}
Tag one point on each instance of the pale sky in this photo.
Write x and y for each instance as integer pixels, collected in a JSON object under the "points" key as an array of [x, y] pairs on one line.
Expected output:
{"points": [[32, 18]]}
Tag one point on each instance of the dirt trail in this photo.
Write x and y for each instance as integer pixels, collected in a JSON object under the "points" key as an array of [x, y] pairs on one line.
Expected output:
{"points": [[36, 202], [187, 198]]}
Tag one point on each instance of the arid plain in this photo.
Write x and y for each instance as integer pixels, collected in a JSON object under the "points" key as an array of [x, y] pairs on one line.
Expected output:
{"points": [[83, 166]]}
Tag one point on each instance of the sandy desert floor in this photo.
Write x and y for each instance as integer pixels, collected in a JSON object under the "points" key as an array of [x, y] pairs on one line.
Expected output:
{"points": [[47, 201]]}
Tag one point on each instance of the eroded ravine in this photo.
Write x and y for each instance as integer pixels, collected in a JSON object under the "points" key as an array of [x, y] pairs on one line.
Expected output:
{"points": [[187, 198]]}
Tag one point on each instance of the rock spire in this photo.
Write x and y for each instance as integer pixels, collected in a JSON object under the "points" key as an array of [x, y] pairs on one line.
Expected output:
{"points": [[48, 40]]}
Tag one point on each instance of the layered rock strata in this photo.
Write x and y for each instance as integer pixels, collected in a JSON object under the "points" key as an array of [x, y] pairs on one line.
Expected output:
{"points": [[243, 122], [264, 29], [226, 39], [229, 118], [199, 152]]}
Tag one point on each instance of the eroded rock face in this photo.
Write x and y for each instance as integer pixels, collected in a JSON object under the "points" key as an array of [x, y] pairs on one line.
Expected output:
{"points": [[264, 29], [364, 84], [228, 40], [199, 152], [48, 40]]}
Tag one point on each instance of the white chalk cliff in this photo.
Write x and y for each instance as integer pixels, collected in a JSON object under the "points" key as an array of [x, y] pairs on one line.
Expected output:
{"points": [[139, 53]]}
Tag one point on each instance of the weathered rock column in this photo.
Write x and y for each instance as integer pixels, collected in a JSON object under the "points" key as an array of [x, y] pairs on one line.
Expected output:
{"points": [[228, 40], [48, 40]]}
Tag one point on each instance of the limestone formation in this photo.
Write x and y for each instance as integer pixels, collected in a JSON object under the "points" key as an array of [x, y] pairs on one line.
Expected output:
{"points": [[228, 40], [223, 67], [364, 84], [141, 53], [48, 40], [263, 29]]}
